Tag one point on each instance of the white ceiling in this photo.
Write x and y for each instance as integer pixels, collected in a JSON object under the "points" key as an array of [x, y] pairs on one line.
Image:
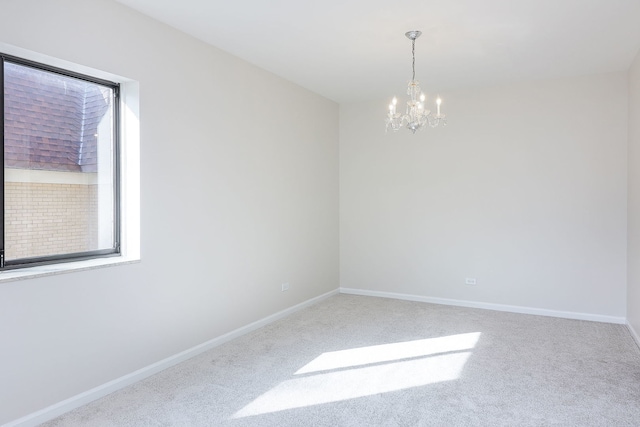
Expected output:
{"points": [[355, 50]]}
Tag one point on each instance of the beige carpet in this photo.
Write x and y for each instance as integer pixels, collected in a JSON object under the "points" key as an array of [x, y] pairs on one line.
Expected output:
{"points": [[362, 361]]}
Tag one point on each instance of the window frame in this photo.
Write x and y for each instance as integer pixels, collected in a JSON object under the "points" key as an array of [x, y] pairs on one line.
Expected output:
{"points": [[116, 150]]}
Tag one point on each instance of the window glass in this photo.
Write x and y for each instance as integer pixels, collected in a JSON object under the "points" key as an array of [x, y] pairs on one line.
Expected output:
{"points": [[59, 165]]}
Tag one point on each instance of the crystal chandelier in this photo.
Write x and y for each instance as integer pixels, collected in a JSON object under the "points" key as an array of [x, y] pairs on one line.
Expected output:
{"points": [[416, 116]]}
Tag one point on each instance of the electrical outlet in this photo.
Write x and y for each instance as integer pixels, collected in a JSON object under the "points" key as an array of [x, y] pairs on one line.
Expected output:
{"points": [[470, 281], [285, 287]]}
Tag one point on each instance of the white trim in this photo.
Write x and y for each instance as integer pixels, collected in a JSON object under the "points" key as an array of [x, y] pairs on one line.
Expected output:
{"points": [[489, 306], [9, 49], [95, 393], [634, 334], [64, 267]]}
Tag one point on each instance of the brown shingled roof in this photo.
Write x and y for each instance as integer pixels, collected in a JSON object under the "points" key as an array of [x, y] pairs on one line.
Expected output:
{"points": [[51, 121]]}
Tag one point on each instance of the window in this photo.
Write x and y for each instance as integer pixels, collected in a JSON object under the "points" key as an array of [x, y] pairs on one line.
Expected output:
{"points": [[60, 186]]}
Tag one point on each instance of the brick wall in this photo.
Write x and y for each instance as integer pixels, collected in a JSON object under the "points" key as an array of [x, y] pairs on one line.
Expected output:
{"points": [[49, 219]]}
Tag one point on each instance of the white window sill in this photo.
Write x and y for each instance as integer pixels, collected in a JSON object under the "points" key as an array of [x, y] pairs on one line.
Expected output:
{"points": [[62, 268]]}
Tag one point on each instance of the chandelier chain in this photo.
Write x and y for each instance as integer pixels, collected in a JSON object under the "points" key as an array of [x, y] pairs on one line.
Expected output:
{"points": [[413, 54]]}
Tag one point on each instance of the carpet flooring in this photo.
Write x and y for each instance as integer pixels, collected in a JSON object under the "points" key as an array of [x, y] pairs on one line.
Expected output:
{"points": [[362, 361]]}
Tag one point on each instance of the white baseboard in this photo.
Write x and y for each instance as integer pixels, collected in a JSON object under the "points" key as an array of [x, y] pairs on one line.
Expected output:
{"points": [[81, 399], [634, 333], [488, 306]]}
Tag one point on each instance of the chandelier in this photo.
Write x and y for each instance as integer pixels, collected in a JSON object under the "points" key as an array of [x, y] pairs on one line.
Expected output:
{"points": [[416, 116]]}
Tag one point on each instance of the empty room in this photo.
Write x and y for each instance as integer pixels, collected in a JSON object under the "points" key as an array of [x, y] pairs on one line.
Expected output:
{"points": [[337, 213]]}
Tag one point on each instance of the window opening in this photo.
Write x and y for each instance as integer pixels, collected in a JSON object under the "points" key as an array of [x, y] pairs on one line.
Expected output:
{"points": [[60, 189]]}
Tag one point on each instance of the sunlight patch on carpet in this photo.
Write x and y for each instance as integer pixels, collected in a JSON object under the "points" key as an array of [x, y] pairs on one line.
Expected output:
{"points": [[392, 367], [390, 352]]}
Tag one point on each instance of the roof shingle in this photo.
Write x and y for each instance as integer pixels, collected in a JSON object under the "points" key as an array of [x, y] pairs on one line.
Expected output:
{"points": [[51, 121]]}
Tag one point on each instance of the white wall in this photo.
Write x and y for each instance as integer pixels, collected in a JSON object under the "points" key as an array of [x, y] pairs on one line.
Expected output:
{"points": [[239, 192], [633, 260], [525, 191]]}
